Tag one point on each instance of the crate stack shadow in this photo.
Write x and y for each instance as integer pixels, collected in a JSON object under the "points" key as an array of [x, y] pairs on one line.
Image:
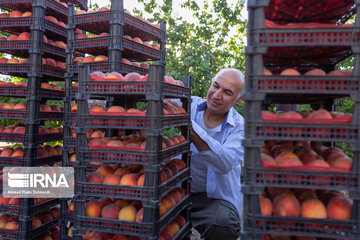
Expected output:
{"points": [[33, 33], [299, 37]]}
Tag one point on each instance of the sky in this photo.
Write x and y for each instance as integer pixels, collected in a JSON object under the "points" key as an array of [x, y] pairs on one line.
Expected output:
{"points": [[178, 11]]}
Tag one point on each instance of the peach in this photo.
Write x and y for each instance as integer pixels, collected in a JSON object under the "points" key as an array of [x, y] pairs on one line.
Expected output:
{"points": [[166, 234], [115, 76], [127, 37], [288, 159], [318, 163], [89, 59], [340, 73], [265, 205], [111, 179], [45, 108], [267, 72], [176, 194], [61, 24], [290, 71], [180, 220], [15, 201], [6, 153], [60, 65], [173, 227], [145, 65], [141, 180], [126, 61], [110, 211], [12, 38], [267, 160], [25, 36], [94, 177], [36, 222], [121, 172], [15, 14], [139, 215], [78, 59], [18, 154], [133, 76], [103, 9], [289, 115], [8, 129], [320, 114], [339, 208], [55, 212], [98, 108], [13, 61], [180, 163], [3, 60], [46, 85], [4, 200], [105, 170], [116, 109], [79, 12], [4, 15], [50, 62], [52, 19], [315, 72], [130, 179], [101, 58], [127, 213], [136, 64], [20, 106], [26, 14], [286, 205], [93, 209], [122, 203], [168, 202], [13, 226], [313, 208], [155, 46], [104, 34]]}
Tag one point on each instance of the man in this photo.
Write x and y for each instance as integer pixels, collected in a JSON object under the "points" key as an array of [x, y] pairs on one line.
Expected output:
{"points": [[216, 156]]}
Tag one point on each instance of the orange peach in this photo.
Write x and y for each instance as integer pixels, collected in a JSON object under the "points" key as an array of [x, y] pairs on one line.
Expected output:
{"points": [[289, 115], [286, 205], [130, 179], [105, 170], [127, 213], [4, 15], [265, 205], [313, 208], [339, 208], [288, 159], [25, 36], [94, 177], [180, 220], [320, 114], [93, 209], [98, 108], [133, 76], [3, 60], [101, 58], [89, 59], [110, 211], [111, 179], [26, 14], [168, 202], [13, 61], [290, 71], [116, 109], [13, 226], [15, 14], [173, 227], [315, 72], [267, 72]]}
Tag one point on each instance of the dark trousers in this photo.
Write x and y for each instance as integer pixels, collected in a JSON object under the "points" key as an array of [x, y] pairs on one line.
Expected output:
{"points": [[214, 218]]}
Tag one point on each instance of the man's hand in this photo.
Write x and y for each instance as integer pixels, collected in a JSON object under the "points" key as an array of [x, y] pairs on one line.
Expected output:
{"points": [[171, 104], [200, 144]]}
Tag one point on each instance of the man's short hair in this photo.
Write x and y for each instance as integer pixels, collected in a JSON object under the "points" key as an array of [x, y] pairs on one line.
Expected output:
{"points": [[238, 75]]}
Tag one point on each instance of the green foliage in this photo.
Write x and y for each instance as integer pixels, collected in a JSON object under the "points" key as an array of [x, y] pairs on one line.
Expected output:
{"points": [[213, 41]]}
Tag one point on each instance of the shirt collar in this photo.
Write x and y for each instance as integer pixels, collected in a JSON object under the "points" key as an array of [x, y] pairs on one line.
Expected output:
{"points": [[228, 119]]}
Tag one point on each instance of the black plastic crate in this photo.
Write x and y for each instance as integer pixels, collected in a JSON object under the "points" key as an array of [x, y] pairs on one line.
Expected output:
{"points": [[40, 161], [41, 138], [295, 178], [54, 31], [326, 36], [132, 122], [305, 131], [147, 31], [134, 88], [34, 233], [16, 25], [300, 55], [94, 66], [324, 228], [94, 46], [140, 52], [133, 228], [308, 11], [133, 192], [69, 141], [329, 84], [133, 157], [51, 7], [97, 22], [22, 115], [35, 209], [21, 70]]}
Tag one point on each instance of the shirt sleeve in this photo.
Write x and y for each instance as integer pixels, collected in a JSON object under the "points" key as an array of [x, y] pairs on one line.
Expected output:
{"points": [[222, 157]]}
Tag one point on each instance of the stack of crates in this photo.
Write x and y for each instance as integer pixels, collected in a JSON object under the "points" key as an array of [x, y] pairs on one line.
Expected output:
{"points": [[296, 183], [124, 40], [35, 32]]}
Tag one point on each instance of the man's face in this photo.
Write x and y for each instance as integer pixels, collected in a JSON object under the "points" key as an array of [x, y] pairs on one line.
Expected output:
{"points": [[223, 93]]}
